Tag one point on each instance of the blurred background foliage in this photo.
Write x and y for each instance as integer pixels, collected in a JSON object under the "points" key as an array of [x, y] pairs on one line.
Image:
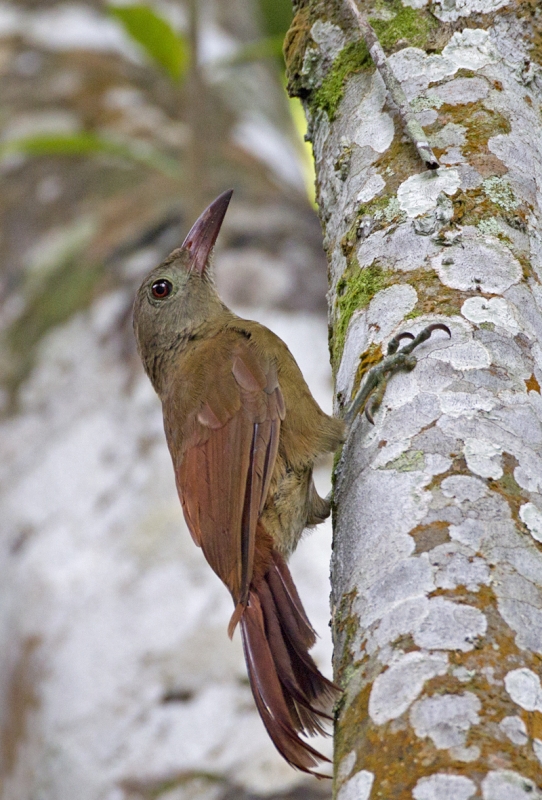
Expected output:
{"points": [[123, 140], [118, 124], [171, 51]]}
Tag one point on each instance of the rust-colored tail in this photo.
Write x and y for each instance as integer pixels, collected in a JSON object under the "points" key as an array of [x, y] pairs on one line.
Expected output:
{"points": [[291, 695]]}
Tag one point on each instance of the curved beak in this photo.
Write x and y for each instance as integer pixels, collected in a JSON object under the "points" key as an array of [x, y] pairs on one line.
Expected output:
{"points": [[204, 232]]}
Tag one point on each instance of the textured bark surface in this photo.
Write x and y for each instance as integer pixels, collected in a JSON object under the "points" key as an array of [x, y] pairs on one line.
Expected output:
{"points": [[437, 566], [117, 678]]}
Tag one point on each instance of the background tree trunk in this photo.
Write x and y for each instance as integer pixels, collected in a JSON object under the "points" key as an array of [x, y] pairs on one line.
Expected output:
{"points": [[437, 566], [117, 678]]}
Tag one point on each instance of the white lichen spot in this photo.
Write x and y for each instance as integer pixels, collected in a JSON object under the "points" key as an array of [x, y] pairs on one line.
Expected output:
{"points": [[496, 310], [404, 249], [419, 193], [410, 578], [435, 463], [508, 785], [357, 788], [466, 754], [426, 101], [532, 517], [371, 126], [451, 134], [515, 729], [465, 404], [457, 569], [470, 533], [452, 156], [524, 615], [483, 458], [446, 718], [372, 186], [346, 766], [537, 748], [463, 487], [396, 689], [390, 211], [329, 38], [492, 227], [450, 626], [418, 70], [484, 265], [443, 785], [471, 48], [464, 355], [489, 675], [415, 3], [463, 674], [388, 308], [500, 192], [524, 688], [401, 620], [462, 90]]}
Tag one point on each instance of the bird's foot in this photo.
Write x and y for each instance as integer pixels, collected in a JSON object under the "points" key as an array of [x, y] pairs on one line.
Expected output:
{"points": [[371, 393]]}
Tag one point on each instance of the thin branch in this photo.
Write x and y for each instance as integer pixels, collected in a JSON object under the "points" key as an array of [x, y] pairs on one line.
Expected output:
{"points": [[411, 124]]}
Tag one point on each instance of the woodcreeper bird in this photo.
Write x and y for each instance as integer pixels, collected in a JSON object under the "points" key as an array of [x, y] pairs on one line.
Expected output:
{"points": [[244, 432]]}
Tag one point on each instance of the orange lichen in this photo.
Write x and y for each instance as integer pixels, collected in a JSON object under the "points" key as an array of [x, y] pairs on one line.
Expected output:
{"points": [[429, 536], [508, 487], [393, 752]]}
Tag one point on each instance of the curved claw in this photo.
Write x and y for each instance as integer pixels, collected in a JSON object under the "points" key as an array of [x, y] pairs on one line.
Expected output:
{"points": [[394, 343], [369, 411], [438, 326]]}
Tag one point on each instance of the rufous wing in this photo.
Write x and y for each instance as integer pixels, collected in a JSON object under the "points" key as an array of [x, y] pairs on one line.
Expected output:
{"points": [[228, 454]]}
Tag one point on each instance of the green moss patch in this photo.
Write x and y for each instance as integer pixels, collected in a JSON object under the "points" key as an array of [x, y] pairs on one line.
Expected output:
{"points": [[481, 124], [409, 27], [355, 289], [352, 59], [375, 210], [433, 296], [398, 162], [486, 205], [295, 43], [411, 461]]}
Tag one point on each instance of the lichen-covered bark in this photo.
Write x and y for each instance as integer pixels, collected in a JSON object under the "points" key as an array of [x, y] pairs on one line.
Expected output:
{"points": [[117, 677], [437, 567]]}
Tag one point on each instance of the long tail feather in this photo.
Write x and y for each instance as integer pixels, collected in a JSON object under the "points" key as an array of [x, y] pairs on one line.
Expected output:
{"points": [[291, 695]]}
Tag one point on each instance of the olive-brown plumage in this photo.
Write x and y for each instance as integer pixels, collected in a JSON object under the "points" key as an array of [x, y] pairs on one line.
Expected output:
{"points": [[244, 432]]}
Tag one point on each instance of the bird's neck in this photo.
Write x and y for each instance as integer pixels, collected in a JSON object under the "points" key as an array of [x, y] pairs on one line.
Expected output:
{"points": [[204, 320]]}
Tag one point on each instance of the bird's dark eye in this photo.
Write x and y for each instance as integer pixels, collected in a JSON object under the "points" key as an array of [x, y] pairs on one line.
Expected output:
{"points": [[161, 289]]}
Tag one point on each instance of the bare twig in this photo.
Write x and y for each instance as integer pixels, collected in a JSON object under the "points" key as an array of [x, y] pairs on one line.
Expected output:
{"points": [[411, 124]]}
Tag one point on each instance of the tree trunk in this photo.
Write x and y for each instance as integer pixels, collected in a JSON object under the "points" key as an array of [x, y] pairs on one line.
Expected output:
{"points": [[437, 565]]}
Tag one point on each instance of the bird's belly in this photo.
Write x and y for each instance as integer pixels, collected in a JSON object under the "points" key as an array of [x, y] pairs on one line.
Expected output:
{"points": [[286, 510]]}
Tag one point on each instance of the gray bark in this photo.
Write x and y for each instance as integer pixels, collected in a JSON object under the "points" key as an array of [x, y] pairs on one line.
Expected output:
{"points": [[437, 564], [117, 678]]}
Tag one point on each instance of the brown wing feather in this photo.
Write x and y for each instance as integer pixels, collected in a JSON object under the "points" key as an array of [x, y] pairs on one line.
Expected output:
{"points": [[227, 459]]}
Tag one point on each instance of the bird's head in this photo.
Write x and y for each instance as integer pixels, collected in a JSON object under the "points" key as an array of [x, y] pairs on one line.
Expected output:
{"points": [[178, 297]]}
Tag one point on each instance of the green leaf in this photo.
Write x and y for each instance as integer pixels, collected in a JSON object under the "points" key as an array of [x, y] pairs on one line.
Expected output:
{"points": [[156, 36], [86, 143]]}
